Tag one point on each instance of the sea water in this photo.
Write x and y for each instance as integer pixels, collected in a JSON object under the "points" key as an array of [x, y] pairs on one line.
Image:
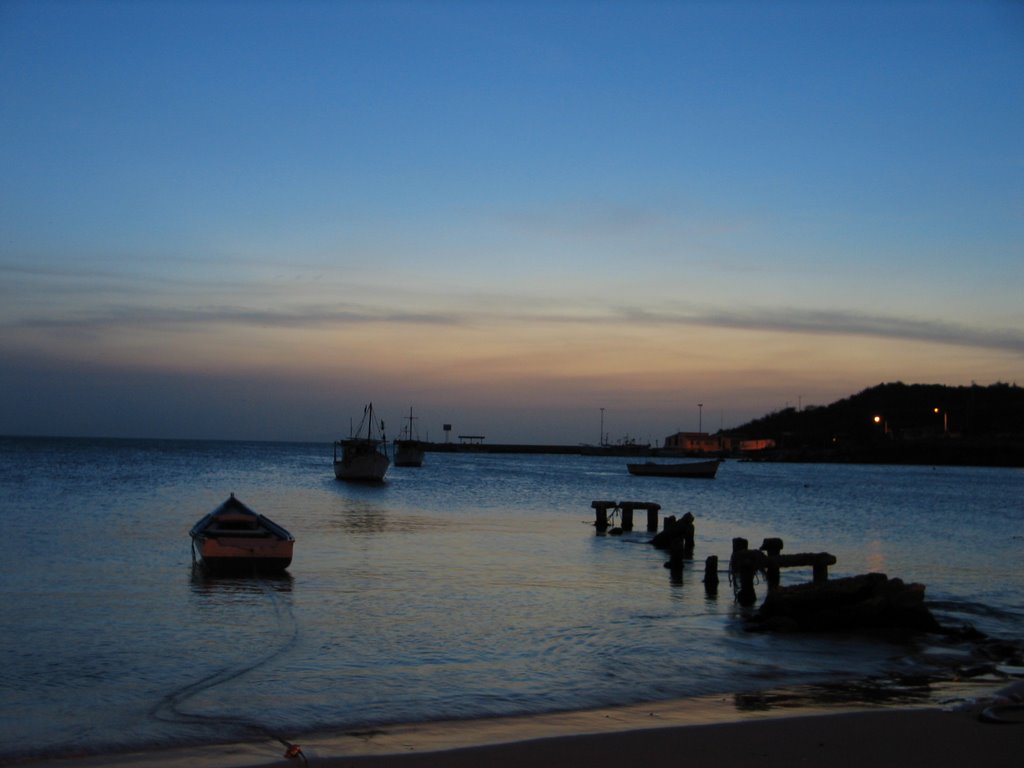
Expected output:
{"points": [[475, 585]]}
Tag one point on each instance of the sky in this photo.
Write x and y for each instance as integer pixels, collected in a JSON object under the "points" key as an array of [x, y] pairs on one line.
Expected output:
{"points": [[541, 222]]}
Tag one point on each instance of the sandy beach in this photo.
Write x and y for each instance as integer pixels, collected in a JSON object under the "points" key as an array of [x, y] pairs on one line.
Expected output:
{"points": [[699, 732]]}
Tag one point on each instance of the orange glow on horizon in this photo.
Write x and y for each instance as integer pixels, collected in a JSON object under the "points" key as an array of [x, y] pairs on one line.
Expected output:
{"points": [[527, 361]]}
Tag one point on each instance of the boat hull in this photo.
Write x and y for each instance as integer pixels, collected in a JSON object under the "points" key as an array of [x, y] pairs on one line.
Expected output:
{"points": [[409, 450], [241, 554], [235, 538], [408, 453], [367, 471], [361, 461], [698, 469]]}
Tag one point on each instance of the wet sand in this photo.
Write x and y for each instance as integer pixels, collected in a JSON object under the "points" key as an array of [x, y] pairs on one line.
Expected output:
{"points": [[698, 732]]}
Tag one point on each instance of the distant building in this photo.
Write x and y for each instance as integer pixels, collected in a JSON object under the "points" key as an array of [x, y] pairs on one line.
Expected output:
{"points": [[757, 445], [698, 442]]}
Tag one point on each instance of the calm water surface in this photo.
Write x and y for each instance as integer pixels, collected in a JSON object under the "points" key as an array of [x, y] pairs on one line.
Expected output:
{"points": [[472, 586]]}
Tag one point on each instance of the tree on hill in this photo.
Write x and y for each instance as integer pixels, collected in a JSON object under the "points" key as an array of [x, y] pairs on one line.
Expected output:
{"points": [[898, 412]]}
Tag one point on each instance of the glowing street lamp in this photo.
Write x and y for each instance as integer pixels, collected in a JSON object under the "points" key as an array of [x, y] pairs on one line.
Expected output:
{"points": [[945, 418]]}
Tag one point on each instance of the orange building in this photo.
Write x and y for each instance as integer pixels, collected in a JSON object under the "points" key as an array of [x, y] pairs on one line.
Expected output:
{"points": [[698, 442]]}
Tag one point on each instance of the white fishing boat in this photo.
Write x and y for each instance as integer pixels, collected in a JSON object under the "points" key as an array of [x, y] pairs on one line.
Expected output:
{"points": [[409, 449], [364, 456]]}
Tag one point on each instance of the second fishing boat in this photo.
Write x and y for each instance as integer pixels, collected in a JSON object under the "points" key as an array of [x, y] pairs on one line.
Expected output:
{"points": [[364, 456]]}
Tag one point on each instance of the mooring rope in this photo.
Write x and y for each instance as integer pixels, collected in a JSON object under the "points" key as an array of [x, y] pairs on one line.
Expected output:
{"points": [[168, 709]]}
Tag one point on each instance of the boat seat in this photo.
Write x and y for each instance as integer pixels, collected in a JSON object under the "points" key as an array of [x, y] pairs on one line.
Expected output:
{"points": [[241, 533]]}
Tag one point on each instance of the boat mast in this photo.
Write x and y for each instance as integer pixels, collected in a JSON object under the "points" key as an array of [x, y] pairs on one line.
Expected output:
{"points": [[409, 435]]}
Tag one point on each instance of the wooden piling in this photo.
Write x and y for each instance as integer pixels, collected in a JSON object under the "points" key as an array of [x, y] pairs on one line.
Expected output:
{"points": [[711, 575], [601, 514], [743, 566], [772, 548], [675, 563], [746, 594], [739, 545], [652, 520], [687, 530], [821, 564]]}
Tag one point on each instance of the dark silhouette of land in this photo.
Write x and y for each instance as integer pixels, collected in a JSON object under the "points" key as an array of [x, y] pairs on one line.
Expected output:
{"points": [[892, 423], [900, 423]]}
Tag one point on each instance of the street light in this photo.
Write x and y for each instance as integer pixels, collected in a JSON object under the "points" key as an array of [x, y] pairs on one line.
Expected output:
{"points": [[700, 418], [945, 418]]}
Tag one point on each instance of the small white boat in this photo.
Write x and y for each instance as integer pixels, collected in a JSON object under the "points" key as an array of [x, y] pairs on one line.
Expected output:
{"points": [[364, 458], [704, 469], [409, 449], [235, 537]]}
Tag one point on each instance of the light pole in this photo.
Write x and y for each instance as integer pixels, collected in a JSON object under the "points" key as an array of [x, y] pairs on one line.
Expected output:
{"points": [[700, 418], [600, 438]]}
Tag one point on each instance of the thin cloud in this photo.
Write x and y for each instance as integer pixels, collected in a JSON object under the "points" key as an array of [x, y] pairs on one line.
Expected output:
{"points": [[474, 310], [310, 317], [836, 322]]}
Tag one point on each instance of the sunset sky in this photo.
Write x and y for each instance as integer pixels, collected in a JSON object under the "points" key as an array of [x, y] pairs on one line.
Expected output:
{"points": [[247, 219]]}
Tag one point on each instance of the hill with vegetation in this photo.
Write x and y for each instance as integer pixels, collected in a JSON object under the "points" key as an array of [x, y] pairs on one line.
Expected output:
{"points": [[901, 423]]}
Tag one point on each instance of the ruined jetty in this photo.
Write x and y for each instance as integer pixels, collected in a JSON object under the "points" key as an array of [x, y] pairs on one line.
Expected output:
{"points": [[604, 510], [746, 563], [867, 602]]}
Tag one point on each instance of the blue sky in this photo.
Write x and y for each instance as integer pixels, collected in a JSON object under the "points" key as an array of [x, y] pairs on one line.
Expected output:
{"points": [[245, 220]]}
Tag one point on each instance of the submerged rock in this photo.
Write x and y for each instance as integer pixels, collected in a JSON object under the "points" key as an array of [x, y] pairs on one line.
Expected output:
{"points": [[869, 601]]}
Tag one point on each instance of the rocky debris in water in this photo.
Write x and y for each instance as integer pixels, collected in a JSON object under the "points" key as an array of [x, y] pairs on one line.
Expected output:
{"points": [[869, 601]]}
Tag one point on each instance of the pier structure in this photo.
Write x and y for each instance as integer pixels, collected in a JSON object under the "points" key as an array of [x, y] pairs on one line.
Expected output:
{"points": [[604, 508], [868, 601], [678, 538], [768, 559]]}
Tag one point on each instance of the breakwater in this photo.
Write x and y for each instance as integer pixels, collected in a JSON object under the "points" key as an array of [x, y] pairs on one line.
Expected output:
{"points": [[564, 450], [953, 452]]}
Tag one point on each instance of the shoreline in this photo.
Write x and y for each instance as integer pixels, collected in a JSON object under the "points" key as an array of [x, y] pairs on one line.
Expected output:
{"points": [[709, 730]]}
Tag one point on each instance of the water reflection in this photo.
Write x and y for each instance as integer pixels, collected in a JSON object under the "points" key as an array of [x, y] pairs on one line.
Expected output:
{"points": [[875, 557], [373, 519], [206, 582]]}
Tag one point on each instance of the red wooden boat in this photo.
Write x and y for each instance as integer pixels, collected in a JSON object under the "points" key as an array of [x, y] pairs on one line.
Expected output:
{"points": [[234, 537]]}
